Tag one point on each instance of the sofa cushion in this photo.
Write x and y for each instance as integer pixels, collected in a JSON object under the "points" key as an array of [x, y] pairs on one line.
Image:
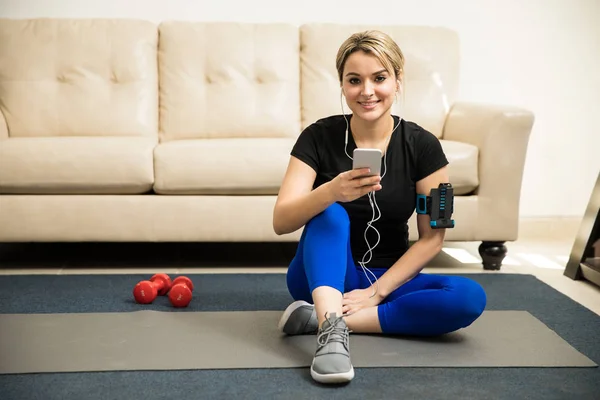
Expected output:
{"points": [[79, 77], [73, 165], [222, 166], [228, 80], [463, 168]]}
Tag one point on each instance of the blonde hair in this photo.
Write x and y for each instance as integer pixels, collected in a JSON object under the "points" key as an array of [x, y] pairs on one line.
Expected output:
{"points": [[374, 42]]}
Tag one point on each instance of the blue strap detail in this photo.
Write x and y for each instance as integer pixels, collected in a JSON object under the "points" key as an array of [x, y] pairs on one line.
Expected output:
{"points": [[421, 204]]}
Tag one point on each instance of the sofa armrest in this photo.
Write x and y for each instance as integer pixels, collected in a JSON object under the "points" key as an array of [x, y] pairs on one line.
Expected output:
{"points": [[502, 135], [3, 126]]}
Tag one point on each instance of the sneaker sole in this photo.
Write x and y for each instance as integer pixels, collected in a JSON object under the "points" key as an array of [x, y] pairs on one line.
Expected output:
{"points": [[332, 378], [288, 311]]}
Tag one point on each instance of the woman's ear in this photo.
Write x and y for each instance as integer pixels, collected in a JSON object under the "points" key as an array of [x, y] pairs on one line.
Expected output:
{"points": [[398, 86]]}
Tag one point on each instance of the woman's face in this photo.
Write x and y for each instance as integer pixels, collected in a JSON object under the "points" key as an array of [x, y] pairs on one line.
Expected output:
{"points": [[369, 89]]}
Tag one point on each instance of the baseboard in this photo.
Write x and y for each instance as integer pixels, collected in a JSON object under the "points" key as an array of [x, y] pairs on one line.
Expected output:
{"points": [[549, 228]]}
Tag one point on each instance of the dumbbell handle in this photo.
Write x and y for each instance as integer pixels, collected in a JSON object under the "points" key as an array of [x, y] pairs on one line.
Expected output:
{"points": [[158, 284]]}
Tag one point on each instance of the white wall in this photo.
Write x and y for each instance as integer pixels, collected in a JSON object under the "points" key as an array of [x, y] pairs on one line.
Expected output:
{"points": [[540, 54]]}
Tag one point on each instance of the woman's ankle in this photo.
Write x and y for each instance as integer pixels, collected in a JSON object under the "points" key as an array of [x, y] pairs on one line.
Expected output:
{"points": [[328, 301]]}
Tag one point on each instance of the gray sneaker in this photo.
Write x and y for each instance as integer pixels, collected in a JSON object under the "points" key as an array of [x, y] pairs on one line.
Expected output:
{"points": [[300, 318], [332, 358]]}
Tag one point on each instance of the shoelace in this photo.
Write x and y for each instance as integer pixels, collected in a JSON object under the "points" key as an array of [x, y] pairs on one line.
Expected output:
{"points": [[334, 332]]}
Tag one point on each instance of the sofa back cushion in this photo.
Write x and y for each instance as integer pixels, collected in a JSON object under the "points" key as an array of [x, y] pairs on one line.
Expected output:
{"points": [[430, 81], [228, 80], [83, 77]]}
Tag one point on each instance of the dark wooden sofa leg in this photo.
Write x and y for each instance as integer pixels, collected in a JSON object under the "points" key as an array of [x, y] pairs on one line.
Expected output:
{"points": [[492, 254]]}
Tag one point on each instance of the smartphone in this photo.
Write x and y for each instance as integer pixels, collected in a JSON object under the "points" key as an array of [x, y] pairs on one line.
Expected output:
{"points": [[367, 158]]}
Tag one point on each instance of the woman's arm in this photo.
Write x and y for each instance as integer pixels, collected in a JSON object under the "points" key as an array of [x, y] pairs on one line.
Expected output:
{"points": [[297, 203], [424, 250]]}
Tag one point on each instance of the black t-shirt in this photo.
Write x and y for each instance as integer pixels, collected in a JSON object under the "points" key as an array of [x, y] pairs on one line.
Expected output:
{"points": [[412, 154]]}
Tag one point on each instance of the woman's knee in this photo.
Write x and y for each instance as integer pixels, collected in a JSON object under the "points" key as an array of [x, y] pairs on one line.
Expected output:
{"points": [[332, 218], [471, 301]]}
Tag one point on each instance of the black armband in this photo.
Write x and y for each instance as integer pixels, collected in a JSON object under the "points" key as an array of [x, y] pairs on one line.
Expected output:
{"points": [[439, 206]]}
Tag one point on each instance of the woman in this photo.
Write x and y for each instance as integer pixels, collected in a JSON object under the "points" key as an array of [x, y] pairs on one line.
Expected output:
{"points": [[335, 291]]}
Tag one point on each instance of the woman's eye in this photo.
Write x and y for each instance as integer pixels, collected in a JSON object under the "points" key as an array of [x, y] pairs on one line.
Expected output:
{"points": [[380, 78], [354, 81]]}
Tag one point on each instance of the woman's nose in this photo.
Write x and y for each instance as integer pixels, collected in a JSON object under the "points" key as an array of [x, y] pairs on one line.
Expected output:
{"points": [[367, 89]]}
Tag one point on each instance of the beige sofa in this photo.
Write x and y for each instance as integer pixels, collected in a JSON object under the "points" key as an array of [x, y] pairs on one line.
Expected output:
{"points": [[125, 130]]}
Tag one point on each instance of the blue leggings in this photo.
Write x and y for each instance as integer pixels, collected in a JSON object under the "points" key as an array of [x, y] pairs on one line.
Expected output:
{"points": [[427, 305]]}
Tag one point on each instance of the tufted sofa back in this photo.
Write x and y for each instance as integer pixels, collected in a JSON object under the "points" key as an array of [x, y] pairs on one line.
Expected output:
{"points": [[194, 80], [430, 81], [61, 77], [228, 80]]}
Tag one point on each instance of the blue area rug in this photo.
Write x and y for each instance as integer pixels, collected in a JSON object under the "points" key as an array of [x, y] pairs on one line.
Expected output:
{"points": [[223, 292]]}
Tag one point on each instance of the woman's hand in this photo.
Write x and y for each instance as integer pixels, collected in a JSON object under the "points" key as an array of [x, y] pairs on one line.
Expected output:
{"points": [[351, 185], [358, 299]]}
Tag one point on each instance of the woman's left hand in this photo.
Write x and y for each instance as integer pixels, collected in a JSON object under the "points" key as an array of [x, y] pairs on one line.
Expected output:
{"points": [[358, 299]]}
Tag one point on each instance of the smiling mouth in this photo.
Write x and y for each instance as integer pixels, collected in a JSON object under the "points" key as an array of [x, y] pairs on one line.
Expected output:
{"points": [[369, 104]]}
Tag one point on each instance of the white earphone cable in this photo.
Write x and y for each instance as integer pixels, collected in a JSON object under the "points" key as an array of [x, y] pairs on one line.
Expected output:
{"points": [[376, 215]]}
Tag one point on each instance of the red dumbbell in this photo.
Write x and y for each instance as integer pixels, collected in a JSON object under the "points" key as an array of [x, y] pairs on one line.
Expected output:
{"points": [[146, 291], [180, 294]]}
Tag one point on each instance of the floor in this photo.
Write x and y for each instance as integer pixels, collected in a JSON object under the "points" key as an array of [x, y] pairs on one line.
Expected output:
{"points": [[544, 258]]}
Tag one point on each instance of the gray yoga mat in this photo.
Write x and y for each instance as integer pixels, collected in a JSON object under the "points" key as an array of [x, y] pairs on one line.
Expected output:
{"points": [[153, 340]]}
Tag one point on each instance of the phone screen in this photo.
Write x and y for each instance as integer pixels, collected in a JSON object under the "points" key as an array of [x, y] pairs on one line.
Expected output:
{"points": [[367, 158]]}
